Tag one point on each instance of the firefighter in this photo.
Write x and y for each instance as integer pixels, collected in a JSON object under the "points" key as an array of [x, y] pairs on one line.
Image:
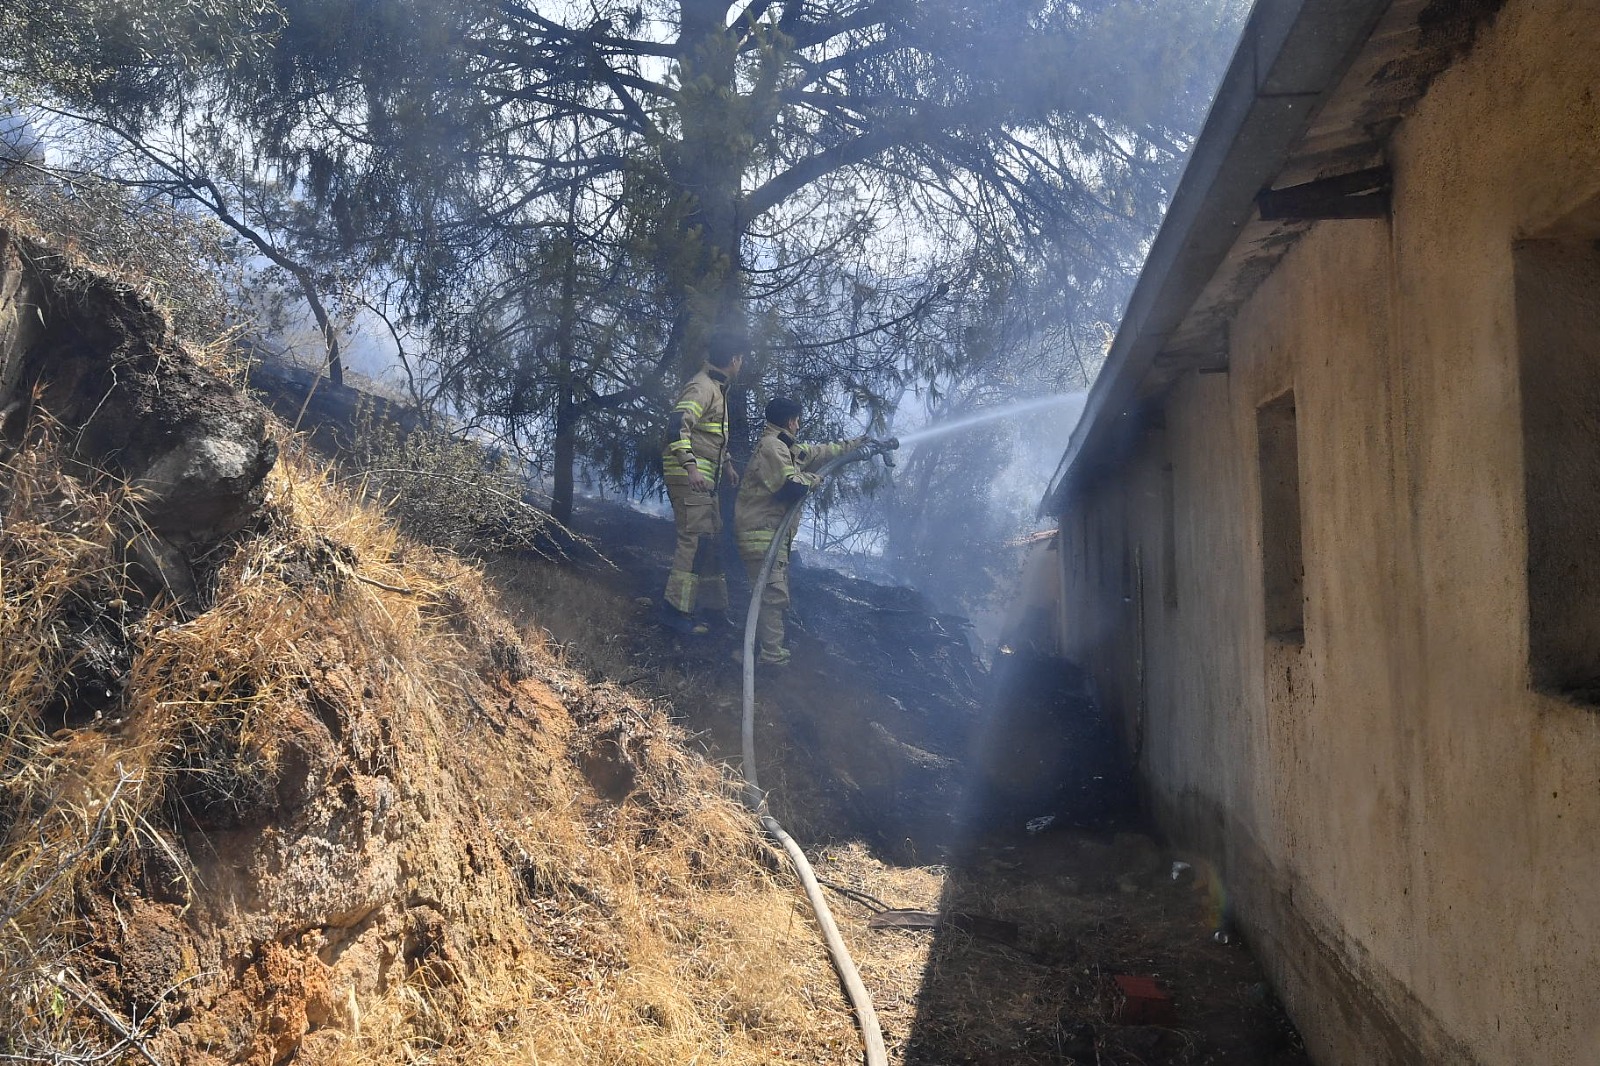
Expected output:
{"points": [[694, 463], [781, 471]]}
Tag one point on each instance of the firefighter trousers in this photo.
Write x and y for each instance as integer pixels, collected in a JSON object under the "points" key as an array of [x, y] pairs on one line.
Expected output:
{"points": [[695, 580], [774, 602]]}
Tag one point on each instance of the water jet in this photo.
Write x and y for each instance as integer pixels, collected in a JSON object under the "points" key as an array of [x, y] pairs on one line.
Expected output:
{"points": [[990, 414]]}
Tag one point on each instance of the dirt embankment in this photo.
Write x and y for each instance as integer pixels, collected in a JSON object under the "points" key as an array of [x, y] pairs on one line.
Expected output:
{"points": [[278, 785]]}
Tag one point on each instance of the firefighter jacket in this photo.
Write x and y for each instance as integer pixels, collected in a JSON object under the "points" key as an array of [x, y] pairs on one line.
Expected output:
{"points": [[699, 431], [781, 472]]}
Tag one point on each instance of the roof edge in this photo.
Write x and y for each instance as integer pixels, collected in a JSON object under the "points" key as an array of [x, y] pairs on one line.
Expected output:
{"points": [[1291, 57]]}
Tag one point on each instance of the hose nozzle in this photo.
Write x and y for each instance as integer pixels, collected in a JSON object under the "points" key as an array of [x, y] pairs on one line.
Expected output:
{"points": [[874, 446]]}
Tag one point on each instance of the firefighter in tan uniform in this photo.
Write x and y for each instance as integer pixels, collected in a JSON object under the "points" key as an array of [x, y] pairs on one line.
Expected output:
{"points": [[781, 471], [694, 463]]}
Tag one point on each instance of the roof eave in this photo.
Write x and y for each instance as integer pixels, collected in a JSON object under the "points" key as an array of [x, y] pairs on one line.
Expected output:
{"points": [[1291, 57]]}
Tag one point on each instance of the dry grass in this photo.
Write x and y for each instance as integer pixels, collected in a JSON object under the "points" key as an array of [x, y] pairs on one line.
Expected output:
{"points": [[578, 886], [66, 798], [172, 257], [946, 995]]}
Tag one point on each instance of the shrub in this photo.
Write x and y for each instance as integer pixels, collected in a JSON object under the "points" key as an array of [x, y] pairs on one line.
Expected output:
{"points": [[446, 491]]}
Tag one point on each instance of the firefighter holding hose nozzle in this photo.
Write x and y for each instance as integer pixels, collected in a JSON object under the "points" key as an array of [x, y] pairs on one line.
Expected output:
{"points": [[781, 472]]}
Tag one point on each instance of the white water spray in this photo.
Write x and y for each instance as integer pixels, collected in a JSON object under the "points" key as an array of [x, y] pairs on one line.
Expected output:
{"points": [[990, 414]]}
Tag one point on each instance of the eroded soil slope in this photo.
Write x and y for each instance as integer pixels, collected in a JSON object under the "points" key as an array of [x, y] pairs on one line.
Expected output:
{"points": [[279, 786]]}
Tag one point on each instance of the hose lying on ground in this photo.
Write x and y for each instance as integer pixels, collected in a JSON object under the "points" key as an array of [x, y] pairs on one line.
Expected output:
{"points": [[866, 1017]]}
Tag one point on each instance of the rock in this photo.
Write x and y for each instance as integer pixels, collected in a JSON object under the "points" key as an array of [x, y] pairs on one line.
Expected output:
{"points": [[1142, 1002], [101, 360], [158, 567], [320, 1048], [164, 876], [290, 993]]}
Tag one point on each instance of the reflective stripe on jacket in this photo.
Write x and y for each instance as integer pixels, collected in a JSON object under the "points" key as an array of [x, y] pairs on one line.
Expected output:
{"points": [[699, 426], [781, 471]]}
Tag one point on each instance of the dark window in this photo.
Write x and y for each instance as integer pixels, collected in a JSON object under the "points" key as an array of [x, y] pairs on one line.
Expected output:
{"points": [[1558, 323], [1282, 569], [1169, 538], [1083, 542]]}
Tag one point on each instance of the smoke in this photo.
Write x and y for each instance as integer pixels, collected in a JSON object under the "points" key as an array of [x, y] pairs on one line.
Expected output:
{"points": [[966, 496], [1040, 439], [952, 517]]}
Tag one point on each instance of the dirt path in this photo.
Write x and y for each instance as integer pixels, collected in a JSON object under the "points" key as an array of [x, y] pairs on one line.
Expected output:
{"points": [[1086, 908], [921, 799]]}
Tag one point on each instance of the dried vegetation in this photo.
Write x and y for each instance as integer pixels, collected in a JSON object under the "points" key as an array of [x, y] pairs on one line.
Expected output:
{"points": [[446, 491], [345, 812]]}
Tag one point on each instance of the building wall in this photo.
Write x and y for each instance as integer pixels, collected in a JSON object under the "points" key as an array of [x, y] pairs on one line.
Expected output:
{"points": [[1032, 619], [1408, 830]]}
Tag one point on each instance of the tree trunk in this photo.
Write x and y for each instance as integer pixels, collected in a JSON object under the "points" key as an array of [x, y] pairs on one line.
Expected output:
{"points": [[707, 172], [566, 451], [330, 333], [565, 459]]}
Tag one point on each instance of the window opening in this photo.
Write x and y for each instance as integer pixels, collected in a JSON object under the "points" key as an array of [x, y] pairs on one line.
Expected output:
{"points": [[1282, 567], [1169, 538], [1558, 326]]}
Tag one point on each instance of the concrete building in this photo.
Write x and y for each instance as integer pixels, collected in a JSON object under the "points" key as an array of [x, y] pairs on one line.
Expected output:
{"points": [[1330, 527]]}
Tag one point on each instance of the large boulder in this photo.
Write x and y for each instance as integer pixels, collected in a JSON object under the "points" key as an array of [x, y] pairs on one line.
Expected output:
{"points": [[100, 359]]}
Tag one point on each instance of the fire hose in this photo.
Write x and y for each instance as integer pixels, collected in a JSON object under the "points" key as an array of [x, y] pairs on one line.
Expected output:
{"points": [[756, 799]]}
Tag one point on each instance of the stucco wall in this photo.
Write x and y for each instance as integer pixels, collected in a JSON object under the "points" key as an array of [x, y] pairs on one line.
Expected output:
{"points": [[1409, 832]]}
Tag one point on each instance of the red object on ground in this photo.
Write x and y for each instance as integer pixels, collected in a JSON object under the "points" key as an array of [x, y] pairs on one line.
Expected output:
{"points": [[1143, 1002]]}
